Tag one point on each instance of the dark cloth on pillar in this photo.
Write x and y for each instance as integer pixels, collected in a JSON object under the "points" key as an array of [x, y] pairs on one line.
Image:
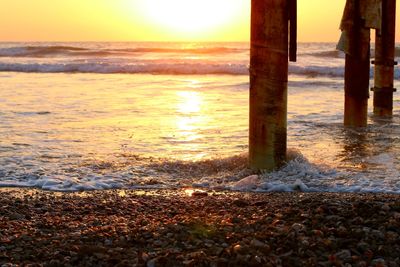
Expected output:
{"points": [[360, 16], [371, 13]]}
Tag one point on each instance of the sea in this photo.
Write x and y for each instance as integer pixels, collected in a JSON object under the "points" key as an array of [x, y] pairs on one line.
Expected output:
{"points": [[96, 116]]}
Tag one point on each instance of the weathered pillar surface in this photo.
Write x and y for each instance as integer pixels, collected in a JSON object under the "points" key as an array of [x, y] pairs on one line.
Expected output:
{"points": [[268, 83], [384, 61], [357, 70], [356, 87]]}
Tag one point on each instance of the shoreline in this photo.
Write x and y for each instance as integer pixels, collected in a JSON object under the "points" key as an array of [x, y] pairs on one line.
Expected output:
{"points": [[174, 228]]}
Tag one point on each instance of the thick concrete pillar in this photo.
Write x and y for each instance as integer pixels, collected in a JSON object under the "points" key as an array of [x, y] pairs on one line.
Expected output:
{"points": [[384, 61], [268, 83], [357, 71]]}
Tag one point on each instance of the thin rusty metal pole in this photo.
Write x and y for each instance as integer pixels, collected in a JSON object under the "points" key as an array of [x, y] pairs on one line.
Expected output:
{"points": [[268, 83], [357, 72], [384, 61]]}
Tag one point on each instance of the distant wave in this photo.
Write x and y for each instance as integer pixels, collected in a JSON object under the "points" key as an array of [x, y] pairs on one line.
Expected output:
{"points": [[70, 50], [168, 68], [151, 68], [46, 51], [327, 54], [38, 51], [340, 54]]}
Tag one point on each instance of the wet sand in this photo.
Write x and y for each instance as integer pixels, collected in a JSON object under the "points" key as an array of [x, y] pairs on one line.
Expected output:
{"points": [[174, 228]]}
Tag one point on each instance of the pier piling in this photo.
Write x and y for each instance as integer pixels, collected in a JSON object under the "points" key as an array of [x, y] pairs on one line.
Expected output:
{"points": [[268, 81], [356, 44], [384, 61]]}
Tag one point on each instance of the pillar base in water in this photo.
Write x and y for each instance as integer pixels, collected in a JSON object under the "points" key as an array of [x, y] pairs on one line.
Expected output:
{"points": [[356, 86], [356, 112], [383, 104]]}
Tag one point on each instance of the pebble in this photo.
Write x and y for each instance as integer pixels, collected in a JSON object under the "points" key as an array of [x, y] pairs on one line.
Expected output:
{"points": [[152, 263], [298, 227], [378, 263], [237, 248], [16, 216], [199, 194], [385, 207], [257, 243], [217, 251], [240, 203], [344, 255]]}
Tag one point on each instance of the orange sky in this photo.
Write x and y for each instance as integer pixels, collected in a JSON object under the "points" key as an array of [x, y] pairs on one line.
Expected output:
{"points": [[154, 20]]}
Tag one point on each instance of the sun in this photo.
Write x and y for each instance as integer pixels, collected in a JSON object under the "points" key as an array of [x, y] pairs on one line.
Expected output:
{"points": [[191, 17]]}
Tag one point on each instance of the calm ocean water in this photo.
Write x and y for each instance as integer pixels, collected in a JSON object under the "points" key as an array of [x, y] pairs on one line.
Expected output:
{"points": [[81, 116]]}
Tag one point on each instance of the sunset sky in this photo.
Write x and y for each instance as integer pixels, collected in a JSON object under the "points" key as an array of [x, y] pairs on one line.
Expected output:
{"points": [[154, 20]]}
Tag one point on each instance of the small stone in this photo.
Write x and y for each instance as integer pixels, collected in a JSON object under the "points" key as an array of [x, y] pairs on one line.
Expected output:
{"points": [[305, 243], [377, 234], [240, 203], [298, 227], [236, 220], [318, 233], [196, 254], [199, 194], [390, 236], [145, 256], [152, 263], [243, 258], [217, 251], [158, 243], [237, 248], [16, 216], [378, 263], [188, 262], [257, 243], [55, 262], [362, 246], [344, 255], [257, 259], [100, 255]]}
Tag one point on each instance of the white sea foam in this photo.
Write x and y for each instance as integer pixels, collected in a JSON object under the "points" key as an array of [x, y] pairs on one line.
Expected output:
{"points": [[298, 175]]}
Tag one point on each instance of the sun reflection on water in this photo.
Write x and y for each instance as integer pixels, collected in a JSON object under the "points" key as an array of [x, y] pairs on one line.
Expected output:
{"points": [[190, 120], [189, 102]]}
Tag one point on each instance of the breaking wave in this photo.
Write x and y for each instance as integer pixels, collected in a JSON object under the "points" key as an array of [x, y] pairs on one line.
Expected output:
{"points": [[327, 54], [183, 68]]}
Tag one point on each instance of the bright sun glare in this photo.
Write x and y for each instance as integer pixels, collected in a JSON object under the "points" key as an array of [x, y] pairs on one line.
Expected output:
{"points": [[191, 16]]}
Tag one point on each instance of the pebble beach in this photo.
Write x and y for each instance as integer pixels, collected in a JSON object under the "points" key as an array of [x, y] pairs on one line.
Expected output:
{"points": [[197, 228]]}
